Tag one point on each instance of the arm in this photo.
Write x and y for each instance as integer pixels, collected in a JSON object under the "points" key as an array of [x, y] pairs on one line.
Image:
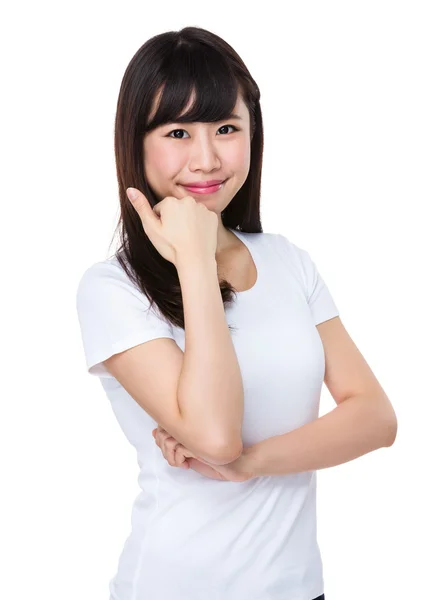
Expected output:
{"points": [[210, 389], [355, 427]]}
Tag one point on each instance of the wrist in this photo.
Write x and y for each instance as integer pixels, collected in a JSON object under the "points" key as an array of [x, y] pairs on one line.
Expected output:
{"points": [[186, 260], [252, 464]]}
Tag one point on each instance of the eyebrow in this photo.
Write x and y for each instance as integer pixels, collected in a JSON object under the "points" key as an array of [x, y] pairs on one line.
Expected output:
{"points": [[230, 116]]}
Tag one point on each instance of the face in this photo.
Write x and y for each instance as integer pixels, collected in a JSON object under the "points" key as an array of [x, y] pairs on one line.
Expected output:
{"points": [[180, 153]]}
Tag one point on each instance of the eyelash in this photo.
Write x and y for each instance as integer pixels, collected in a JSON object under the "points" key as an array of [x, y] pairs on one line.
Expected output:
{"points": [[169, 134]]}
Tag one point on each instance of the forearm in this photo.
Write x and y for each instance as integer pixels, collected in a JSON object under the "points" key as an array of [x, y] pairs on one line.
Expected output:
{"points": [[355, 427], [210, 391]]}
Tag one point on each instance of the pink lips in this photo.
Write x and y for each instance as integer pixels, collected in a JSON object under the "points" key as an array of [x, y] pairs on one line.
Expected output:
{"points": [[203, 184], [205, 189]]}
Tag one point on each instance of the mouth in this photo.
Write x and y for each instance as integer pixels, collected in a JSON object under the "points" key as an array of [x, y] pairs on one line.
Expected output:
{"points": [[206, 189]]}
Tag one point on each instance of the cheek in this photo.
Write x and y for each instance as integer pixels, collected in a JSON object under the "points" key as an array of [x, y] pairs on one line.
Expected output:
{"points": [[240, 156], [239, 160], [159, 161], [159, 164]]}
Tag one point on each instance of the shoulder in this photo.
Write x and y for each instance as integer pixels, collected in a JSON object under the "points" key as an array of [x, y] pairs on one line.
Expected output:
{"points": [[296, 259], [299, 255], [271, 240], [290, 247], [106, 281], [96, 274], [283, 247]]}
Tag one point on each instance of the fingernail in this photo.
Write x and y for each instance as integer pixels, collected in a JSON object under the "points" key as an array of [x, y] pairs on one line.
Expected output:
{"points": [[132, 194]]}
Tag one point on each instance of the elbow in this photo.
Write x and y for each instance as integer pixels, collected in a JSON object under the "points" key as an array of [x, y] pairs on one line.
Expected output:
{"points": [[391, 431], [392, 436], [226, 453], [387, 420], [232, 453]]}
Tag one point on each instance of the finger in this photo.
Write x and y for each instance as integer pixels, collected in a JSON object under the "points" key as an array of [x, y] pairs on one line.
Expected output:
{"points": [[172, 451], [181, 459], [142, 206], [160, 438], [174, 457], [168, 446]]}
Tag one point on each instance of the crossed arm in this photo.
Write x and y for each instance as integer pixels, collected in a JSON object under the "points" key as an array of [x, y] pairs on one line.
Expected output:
{"points": [[363, 420], [356, 426]]}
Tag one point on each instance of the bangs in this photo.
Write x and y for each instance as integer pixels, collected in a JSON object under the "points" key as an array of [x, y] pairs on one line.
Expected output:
{"points": [[201, 72]]}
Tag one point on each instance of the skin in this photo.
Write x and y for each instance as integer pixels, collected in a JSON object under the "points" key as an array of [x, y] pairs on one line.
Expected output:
{"points": [[241, 469], [178, 153], [199, 152]]}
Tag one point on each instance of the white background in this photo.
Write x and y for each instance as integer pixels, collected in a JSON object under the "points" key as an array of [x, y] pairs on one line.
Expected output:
{"points": [[348, 99]]}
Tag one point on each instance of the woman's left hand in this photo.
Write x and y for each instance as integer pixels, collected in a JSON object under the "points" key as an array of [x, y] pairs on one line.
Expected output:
{"points": [[178, 455]]}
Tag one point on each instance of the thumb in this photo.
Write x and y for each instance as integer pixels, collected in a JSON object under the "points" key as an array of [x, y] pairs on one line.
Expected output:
{"points": [[141, 204]]}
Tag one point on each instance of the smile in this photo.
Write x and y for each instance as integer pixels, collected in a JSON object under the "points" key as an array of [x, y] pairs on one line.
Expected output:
{"points": [[205, 190]]}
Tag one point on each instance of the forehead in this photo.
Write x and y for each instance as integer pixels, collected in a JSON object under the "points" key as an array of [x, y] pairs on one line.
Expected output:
{"points": [[239, 109]]}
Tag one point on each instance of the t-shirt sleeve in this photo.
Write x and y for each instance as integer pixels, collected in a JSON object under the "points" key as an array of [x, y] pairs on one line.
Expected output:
{"points": [[318, 296], [114, 315]]}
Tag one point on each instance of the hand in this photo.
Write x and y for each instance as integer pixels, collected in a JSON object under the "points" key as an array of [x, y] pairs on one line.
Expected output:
{"points": [[174, 452], [178, 455], [178, 226]]}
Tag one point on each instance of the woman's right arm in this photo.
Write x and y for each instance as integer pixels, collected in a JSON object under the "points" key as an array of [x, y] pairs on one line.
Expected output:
{"points": [[210, 392], [196, 395]]}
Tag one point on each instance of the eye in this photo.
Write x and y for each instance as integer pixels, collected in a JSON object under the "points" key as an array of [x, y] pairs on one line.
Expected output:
{"points": [[178, 138]]}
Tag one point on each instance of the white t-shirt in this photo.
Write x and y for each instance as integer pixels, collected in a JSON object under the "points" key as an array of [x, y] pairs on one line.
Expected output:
{"points": [[195, 538]]}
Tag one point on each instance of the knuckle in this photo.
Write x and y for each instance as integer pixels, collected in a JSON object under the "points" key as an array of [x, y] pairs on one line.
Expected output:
{"points": [[177, 454], [169, 201]]}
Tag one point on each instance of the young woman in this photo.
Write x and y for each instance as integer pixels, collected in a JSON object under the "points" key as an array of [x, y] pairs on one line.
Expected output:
{"points": [[211, 340]]}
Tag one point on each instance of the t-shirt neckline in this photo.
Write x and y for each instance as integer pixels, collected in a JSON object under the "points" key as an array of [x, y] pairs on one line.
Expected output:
{"points": [[250, 247]]}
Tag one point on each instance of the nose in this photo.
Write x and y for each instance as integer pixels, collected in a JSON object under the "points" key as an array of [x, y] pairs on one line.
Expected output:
{"points": [[204, 152]]}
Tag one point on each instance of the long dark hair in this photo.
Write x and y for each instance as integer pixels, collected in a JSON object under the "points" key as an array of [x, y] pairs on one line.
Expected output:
{"points": [[179, 62]]}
